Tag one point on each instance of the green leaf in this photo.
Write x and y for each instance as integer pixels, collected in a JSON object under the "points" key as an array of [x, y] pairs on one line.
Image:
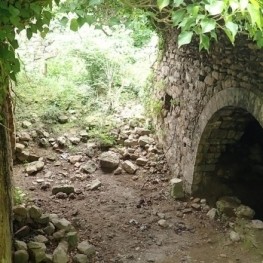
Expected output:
{"points": [[15, 20], [243, 4], [29, 33], [177, 3], [208, 24], [193, 9], [234, 5], [162, 3], [185, 38], [178, 16], [204, 42], [74, 26], [233, 28], [215, 8], [64, 21], [13, 11], [255, 15], [95, 2]]}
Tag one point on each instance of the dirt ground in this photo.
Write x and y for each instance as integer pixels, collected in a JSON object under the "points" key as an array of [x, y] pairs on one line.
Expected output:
{"points": [[121, 217]]}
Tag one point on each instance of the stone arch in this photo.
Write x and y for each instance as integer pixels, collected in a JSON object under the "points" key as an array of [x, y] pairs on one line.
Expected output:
{"points": [[221, 123]]}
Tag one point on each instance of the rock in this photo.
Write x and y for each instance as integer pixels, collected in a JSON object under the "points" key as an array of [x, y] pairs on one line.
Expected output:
{"points": [[62, 119], [142, 131], [67, 189], [41, 239], [20, 211], [36, 251], [43, 142], [234, 236], [32, 157], [34, 212], [86, 248], [43, 220], [61, 224], [212, 213], [141, 161], [23, 156], [129, 167], [257, 224], [26, 124], [60, 253], [20, 245], [61, 195], [50, 229], [163, 223], [24, 137], [80, 258], [118, 171], [34, 167], [74, 140], [144, 140], [90, 151], [130, 142], [177, 190], [244, 211], [196, 206], [227, 205], [48, 259], [19, 147], [21, 256], [84, 136], [72, 239], [22, 232], [109, 160], [61, 141], [95, 184], [59, 235], [75, 158], [89, 167]]}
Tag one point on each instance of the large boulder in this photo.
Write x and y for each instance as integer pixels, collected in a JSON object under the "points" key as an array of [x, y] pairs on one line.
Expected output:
{"points": [[109, 160]]}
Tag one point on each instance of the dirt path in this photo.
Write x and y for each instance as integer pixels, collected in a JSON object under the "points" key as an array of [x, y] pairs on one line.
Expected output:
{"points": [[121, 217]]}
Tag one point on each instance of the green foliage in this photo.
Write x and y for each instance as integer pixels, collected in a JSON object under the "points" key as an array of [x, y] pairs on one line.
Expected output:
{"points": [[19, 197]]}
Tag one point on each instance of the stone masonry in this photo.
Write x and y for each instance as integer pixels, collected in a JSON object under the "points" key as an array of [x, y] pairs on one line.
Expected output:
{"points": [[208, 100]]}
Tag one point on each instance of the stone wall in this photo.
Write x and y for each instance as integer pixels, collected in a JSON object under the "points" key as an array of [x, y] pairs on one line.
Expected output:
{"points": [[208, 100]]}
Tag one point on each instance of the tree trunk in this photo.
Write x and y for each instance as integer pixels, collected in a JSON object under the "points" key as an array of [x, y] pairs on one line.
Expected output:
{"points": [[6, 130]]}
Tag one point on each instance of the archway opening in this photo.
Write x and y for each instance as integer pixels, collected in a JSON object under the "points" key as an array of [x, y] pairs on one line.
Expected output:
{"points": [[230, 159]]}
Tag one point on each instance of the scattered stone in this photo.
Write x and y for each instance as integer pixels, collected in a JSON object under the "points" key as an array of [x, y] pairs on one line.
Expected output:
{"points": [[61, 195], [196, 206], [61, 223], [141, 161], [227, 205], [257, 224], [75, 158], [34, 212], [142, 131], [212, 213], [36, 251], [34, 167], [41, 239], [86, 248], [62, 119], [177, 191], [59, 235], [94, 185], [43, 142], [80, 258], [21, 256], [67, 189], [50, 229], [89, 167], [20, 245], [24, 137], [109, 160], [161, 215], [61, 141], [144, 140], [130, 142], [20, 211], [118, 171], [163, 223], [60, 253], [26, 124], [244, 211], [129, 167], [84, 136], [74, 140], [234, 236], [72, 239], [19, 147]]}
